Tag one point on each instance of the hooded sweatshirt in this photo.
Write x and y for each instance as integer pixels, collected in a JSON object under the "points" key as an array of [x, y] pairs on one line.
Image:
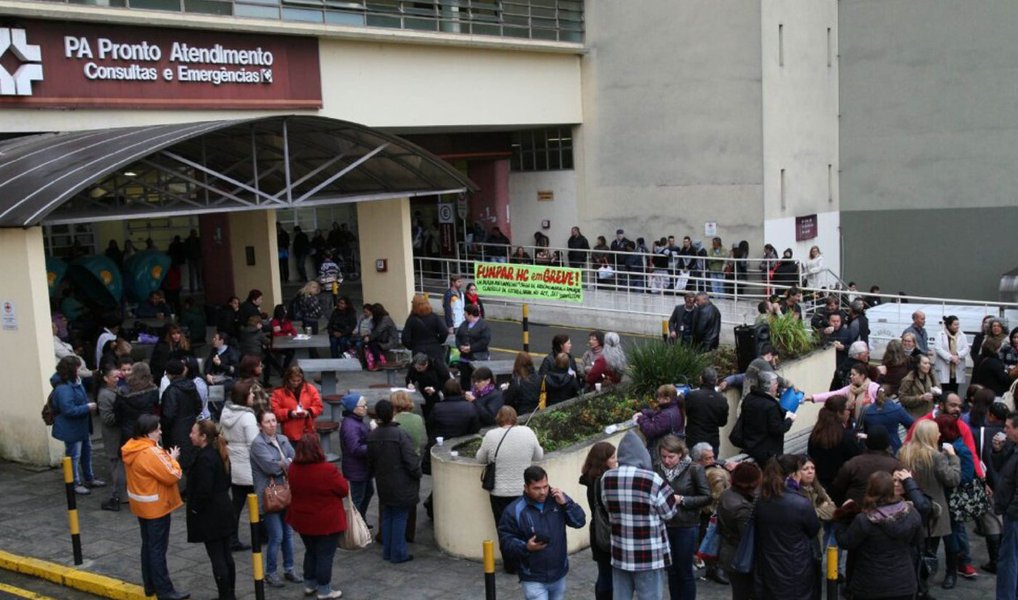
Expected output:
{"points": [[240, 428], [638, 502], [152, 476]]}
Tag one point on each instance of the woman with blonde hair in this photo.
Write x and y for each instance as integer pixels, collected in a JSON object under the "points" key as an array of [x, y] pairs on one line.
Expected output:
{"points": [[425, 332], [936, 469], [308, 306]]}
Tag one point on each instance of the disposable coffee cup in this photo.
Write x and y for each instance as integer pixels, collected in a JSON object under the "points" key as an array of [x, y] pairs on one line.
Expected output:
{"points": [[454, 454], [597, 386], [439, 440]]}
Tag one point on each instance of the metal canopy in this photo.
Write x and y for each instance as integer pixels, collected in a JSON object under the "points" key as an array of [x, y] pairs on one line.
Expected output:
{"points": [[214, 166]]}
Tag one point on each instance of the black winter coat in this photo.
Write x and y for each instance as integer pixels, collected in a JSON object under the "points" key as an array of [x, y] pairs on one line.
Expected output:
{"points": [[435, 377], [990, 373], [707, 326], [452, 417], [343, 323], [180, 407], [487, 407], [130, 406], [209, 509], [523, 394], [396, 465], [560, 386], [691, 484], [787, 558], [477, 337], [706, 415], [764, 426], [882, 550], [425, 334]]}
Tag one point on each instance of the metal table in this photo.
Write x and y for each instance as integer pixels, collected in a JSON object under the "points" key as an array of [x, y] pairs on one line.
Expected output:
{"points": [[499, 368], [301, 344], [329, 369]]}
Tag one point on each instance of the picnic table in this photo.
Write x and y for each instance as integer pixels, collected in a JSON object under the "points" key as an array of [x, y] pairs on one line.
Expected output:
{"points": [[329, 368], [301, 344], [499, 368]]}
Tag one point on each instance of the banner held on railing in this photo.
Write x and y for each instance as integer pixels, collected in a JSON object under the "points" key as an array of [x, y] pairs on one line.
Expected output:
{"points": [[529, 281]]}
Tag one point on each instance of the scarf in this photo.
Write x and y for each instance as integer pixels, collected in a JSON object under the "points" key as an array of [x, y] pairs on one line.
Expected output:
{"points": [[484, 391], [952, 347], [471, 298], [682, 465], [859, 395]]}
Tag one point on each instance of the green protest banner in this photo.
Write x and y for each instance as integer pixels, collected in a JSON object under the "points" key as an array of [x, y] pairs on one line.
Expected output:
{"points": [[529, 281]]}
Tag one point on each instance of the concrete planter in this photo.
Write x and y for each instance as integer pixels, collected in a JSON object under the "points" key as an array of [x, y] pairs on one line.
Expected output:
{"points": [[462, 511]]}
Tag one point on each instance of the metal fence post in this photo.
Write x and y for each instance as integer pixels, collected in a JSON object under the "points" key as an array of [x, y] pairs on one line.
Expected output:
{"points": [[832, 572], [526, 327], [72, 510]]}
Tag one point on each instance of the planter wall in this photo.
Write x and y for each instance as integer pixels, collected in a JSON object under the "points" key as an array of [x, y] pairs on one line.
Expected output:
{"points": [[462, 512]]}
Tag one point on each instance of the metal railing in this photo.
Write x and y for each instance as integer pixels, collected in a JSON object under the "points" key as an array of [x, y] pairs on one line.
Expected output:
{"points": [[550, 20]]}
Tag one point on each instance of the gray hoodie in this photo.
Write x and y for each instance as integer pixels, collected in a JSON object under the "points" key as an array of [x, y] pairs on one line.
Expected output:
{"points": [[633, 452]]}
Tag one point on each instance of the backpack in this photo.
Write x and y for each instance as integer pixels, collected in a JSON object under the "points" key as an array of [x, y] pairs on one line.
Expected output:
{"points": [[49, 411]]}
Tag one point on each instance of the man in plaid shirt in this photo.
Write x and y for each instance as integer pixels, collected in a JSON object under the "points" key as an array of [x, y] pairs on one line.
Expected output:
{"points": [[638, 502]]}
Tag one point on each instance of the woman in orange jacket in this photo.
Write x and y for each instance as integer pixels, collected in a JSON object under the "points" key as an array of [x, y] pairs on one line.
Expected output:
{"points": [[296, 404], [152, 477]]}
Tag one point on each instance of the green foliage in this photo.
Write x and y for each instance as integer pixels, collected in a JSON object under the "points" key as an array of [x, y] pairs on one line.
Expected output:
{"points": [[560, 426], [655, 363], [724, 360], [791, 337]]}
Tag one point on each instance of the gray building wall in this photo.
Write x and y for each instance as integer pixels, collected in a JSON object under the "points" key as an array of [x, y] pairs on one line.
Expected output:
{"points": [[672, 120], [928, 144]]}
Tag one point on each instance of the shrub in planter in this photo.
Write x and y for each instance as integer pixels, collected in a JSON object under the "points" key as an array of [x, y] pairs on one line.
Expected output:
{"points": [[656, 363], [791, 337]]}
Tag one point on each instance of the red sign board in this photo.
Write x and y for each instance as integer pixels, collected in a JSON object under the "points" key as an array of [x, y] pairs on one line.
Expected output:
{"points": [[59, 64], [805, 228]]}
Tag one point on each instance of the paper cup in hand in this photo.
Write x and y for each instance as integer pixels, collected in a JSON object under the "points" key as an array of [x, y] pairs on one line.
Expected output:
{"points": [[936, 391]]}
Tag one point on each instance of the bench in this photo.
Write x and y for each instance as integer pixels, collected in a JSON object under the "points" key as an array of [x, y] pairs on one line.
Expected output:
{"points": [[325, 428]]}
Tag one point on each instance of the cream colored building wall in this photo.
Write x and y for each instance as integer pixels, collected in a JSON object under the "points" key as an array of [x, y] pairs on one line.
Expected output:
{"points": [[799, 55], [527, 211], [384, 233], [27, 350], [257, 229]]}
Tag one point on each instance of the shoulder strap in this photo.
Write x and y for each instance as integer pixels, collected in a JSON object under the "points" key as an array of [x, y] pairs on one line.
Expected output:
{"points": [[500, 443]]}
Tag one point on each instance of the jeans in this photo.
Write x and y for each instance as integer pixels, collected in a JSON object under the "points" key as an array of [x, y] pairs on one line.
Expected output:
{"points": [[319, 550], [717, 282], [960, 543], [394, 518], [81, 455], [360, 494], [155, 538], [535, 590], [278, 533], [603, 585], [647, 585], [681, 579], [338, 345], [224, 571], [1007, 562]]}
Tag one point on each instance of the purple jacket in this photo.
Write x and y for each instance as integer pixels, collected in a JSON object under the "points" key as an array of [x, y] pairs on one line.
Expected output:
{"points": [[657, 424], [353, 437]]}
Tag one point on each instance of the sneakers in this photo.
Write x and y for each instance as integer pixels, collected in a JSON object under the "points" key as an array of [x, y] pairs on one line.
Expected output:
{"points": [[82, 490], [309, 591], [112, 504], [968, 571], [331, 594], [273, 580], [95, 483]]}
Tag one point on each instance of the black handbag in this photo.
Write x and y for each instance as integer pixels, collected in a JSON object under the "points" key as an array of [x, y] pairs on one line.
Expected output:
{"points": [[488, 474]]}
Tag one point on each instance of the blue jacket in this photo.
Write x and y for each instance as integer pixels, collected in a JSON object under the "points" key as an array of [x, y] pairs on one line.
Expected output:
{"points": [[73, 421], [890, 415], [522, 519]]}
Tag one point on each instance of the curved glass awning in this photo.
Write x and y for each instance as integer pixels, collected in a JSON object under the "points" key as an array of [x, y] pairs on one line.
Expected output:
{"points": [[213, 166]]}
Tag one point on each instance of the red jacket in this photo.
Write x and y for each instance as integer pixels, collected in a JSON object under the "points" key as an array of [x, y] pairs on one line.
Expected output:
{"points": [[283, 403], [317, 491]]}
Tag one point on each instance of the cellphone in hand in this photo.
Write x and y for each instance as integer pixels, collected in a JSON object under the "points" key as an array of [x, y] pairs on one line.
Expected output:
{"points": [[541, 538]]}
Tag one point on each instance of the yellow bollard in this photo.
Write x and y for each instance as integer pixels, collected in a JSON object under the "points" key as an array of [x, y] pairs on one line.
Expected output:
{"points": [[832, 572], [526, 328], [664, 330], [257, 568], [489, 569], [72, 511]]}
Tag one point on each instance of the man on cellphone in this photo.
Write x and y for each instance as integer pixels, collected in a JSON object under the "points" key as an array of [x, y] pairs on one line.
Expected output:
{"points": [[532, 531]]}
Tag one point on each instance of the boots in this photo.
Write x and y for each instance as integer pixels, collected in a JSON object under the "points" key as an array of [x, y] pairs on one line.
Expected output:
{"points": [[993, 551], [950, 571], [715, 574]]}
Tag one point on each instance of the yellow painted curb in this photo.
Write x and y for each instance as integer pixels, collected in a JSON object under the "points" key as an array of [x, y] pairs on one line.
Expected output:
{"points": [[99, 585], [21, 593]]}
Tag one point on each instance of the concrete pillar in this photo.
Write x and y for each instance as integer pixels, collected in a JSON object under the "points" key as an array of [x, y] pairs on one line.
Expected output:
{"points": [[384, 230], [253, 240], [26, 343]]}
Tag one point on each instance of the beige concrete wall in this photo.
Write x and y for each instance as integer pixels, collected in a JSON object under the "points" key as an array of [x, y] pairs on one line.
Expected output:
{"points": [[458, 493], [527, 211], [257, 229], [384, 231], [28, 359]]}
